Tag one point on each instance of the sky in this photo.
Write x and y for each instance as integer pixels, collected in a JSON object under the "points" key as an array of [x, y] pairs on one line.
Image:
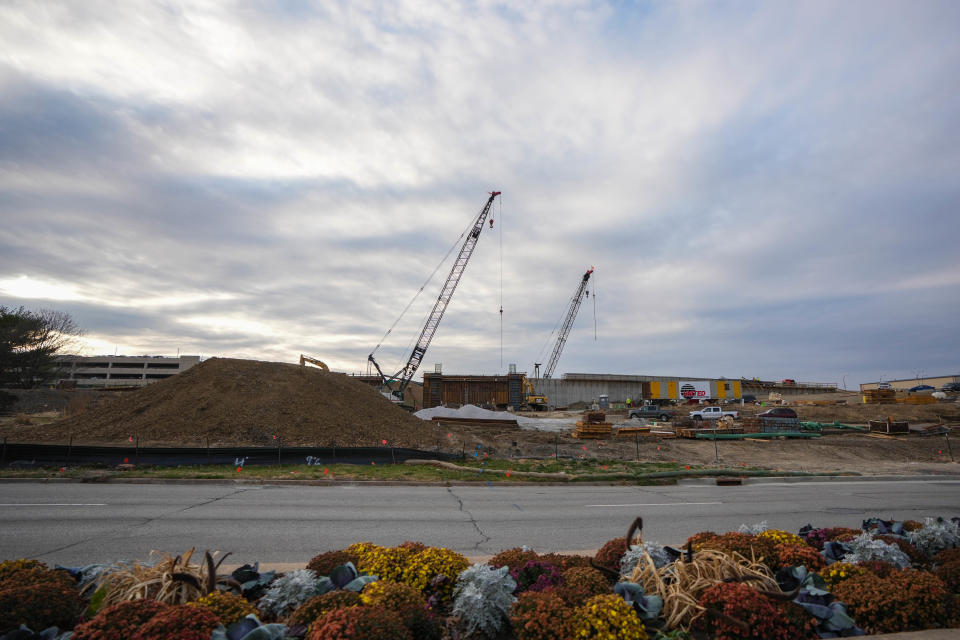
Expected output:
{"points": [[765, 189]]}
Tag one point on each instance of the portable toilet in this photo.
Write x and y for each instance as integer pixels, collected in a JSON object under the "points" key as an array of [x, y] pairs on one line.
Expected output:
{"points": [[604, 402]]}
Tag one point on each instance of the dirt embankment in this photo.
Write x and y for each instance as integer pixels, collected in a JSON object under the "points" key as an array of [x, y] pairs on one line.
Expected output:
{"points": [[241, 402]]}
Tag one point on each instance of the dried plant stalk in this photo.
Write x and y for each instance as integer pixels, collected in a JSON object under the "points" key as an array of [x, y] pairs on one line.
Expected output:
{"points": [[681, 583], [171, 579]]}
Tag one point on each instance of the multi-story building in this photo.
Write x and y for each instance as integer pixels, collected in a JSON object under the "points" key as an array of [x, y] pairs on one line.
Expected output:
{"points": [[120, 371]]}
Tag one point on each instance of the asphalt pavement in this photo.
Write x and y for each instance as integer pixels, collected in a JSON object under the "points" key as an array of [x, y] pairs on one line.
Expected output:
{"points": [[78, 523]]}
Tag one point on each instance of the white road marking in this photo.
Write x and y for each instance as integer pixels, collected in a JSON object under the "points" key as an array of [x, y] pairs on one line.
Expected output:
{"points": [[53, 504], [655, 504]]}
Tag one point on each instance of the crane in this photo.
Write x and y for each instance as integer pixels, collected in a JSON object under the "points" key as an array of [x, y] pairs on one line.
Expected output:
{"points": [[568, 319], [405, 374]]}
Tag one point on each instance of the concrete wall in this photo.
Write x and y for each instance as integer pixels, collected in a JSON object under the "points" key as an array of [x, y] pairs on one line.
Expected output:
{"points": [[120, 371], [908, 383], [563, 393]]}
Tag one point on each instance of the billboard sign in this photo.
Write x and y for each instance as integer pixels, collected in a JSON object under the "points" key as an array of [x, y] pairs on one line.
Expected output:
{"points": [[695, 389]]}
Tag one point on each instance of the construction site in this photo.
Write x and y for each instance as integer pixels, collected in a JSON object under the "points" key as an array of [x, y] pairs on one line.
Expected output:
{"points": [[224, 402]]}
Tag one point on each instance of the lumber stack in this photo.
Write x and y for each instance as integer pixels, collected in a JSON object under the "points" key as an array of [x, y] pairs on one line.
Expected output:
{"points": [[629, 432], [879, 396], [592, 430]]}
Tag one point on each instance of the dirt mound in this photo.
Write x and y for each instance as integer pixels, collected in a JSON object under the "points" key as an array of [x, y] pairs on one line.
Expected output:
{"points": [[243, 402]]}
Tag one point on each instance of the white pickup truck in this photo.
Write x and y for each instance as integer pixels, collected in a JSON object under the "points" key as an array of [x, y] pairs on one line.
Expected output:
{"points": [[713, 413]]}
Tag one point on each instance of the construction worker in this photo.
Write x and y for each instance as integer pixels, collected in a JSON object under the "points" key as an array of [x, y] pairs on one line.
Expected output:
{"points": [[628, 403]]}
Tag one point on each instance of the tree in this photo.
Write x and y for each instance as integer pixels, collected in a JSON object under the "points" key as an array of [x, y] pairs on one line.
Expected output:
{"points": [[29, 342]]}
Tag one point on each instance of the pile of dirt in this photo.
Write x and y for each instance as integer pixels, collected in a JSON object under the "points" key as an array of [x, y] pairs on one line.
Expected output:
{"points": [[229, 402]]}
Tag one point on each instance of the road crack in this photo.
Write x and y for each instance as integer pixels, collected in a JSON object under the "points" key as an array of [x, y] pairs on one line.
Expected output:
{"points": [[476, 525], [142, 523]]}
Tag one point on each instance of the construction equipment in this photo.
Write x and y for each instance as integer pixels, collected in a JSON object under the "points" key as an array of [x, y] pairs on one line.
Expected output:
{"points": [[399, 381], [568, 319], [305, 359], [531, 398]]}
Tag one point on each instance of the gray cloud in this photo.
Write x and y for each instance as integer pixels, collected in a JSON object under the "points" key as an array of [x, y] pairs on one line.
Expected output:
{"points": [[765, 189]]}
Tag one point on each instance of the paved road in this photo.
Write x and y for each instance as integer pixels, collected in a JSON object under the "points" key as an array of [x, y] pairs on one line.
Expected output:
{"points": [[74, 524]]}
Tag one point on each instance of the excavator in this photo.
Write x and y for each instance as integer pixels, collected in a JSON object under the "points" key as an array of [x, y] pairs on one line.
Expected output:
{"points": [[531, 398], [305, 359]]}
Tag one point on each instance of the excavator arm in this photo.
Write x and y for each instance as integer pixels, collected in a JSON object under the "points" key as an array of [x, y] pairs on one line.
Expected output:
{"points": [[305, 359]]}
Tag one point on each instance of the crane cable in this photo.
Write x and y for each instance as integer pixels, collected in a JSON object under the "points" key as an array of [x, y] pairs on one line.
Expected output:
{"points": [[594, 309], [423, 286], [500, 205]]}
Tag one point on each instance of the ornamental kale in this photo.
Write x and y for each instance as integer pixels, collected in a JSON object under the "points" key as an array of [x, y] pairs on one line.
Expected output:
{"points": [[482, 599], [935, 535], [865, 548]]}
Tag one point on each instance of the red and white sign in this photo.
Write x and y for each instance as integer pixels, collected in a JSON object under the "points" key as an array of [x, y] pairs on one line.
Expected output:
{"points": [[694, 389]]}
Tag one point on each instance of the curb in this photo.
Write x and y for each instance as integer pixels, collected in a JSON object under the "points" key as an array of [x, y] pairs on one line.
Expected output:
{"points": [[704, 481]]}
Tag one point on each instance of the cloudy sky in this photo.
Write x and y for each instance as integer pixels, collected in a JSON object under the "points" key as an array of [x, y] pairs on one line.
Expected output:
{"points": [[765, 189]]}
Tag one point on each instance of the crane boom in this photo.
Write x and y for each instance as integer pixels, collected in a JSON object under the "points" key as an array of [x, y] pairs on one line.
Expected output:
{"points": [[567, 324], [405, 375]]}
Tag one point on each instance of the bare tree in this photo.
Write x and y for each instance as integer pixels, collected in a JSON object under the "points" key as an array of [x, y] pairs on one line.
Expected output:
{"points": [[29, 343]]}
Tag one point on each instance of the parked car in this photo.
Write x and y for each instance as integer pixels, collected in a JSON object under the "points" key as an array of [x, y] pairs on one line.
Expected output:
{"points": [[922, 387], [652, 411], [789, 381], [951, 387], [778, 413], [713, 413]]}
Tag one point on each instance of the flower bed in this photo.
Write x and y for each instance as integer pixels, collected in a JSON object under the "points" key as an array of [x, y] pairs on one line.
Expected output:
{"points": [[752, 583]]}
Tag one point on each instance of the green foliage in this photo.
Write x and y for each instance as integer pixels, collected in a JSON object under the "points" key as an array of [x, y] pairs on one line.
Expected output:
{"points": [[359, 623], [179, 622], [39, 605], [482, 599], [29, 340], [317, 606], [228, 607], [905, 600], [542, 615], [763, 619], [120, 621], [608, 617]]}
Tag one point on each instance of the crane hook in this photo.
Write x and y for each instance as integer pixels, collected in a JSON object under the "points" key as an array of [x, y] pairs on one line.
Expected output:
{"points": [[491, 222]]}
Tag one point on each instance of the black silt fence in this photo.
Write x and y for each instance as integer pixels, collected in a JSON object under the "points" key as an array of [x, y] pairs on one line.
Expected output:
{"points": [[41, 455]]}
